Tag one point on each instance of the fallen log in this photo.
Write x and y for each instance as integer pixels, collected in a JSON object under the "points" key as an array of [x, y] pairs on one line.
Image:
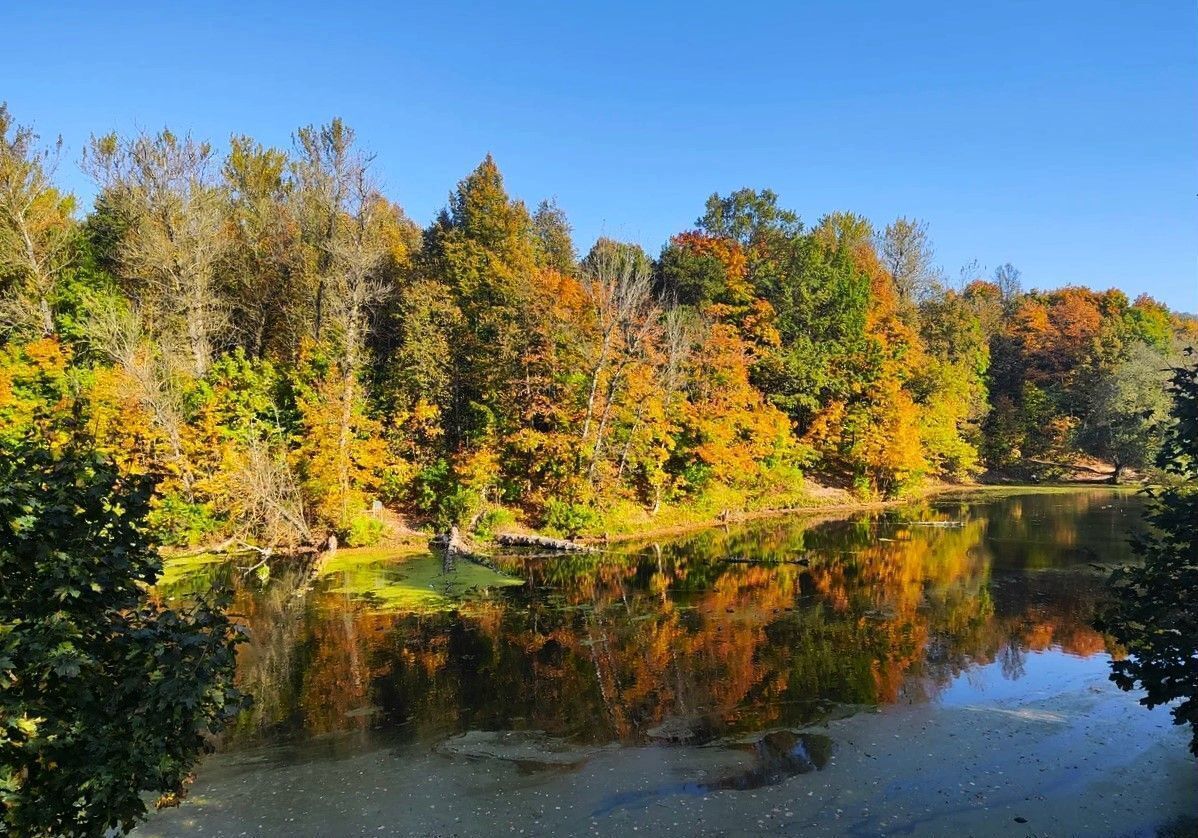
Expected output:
{"points": [[561, 545], [223, 547], [452, 543], [454, 546]]}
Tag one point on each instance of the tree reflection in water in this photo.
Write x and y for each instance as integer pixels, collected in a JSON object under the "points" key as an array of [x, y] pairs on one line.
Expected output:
{"points": [[809, 620]]}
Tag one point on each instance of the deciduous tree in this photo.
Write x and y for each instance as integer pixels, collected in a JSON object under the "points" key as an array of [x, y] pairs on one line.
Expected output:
{"points": [[165, 188], [37, 231], [104, 695]]}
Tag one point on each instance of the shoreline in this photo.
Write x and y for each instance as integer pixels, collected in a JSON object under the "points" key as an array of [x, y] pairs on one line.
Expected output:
{"points": [[837, 509], [417, 540], [748, 516]]}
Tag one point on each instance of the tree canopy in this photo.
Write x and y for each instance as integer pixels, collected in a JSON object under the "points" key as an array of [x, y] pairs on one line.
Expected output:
{"points": [[272, 335]]}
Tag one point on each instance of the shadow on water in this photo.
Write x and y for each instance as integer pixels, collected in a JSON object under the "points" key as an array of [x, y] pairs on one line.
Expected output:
{"points": [[777, 757]]}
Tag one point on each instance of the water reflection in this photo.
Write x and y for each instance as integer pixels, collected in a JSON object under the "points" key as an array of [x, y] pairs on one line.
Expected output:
{"points": [[724, 632]]}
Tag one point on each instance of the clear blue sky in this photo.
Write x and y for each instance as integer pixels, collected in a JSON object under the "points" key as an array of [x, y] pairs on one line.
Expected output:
{"points": [[1060, 136]]}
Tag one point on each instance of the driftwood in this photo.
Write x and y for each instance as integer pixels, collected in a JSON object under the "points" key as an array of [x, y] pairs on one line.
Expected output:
{"points": [[452, 543], [561, 545], [266, 554], [223, 547]]}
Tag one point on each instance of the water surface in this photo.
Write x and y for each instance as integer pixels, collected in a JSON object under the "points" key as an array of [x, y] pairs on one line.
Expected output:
{"points": [[926, 668]]}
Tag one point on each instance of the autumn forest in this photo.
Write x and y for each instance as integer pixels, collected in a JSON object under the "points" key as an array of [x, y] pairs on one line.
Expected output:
{"points": [[291, 356]]}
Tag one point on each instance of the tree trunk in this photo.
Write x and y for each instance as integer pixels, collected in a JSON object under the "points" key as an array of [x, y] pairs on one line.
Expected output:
{"points": [[47, 317], [197, 335]]}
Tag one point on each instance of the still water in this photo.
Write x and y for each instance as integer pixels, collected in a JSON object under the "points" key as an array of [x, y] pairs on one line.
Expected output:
{"points": [[925, 669]]}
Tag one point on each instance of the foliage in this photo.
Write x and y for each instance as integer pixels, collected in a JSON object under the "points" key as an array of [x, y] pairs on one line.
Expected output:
{"points": [[275, 339], [1129, 403], [1072, 371], [104, 694], [483, 249], [340, 453], [569, 518], [493, 520], [727, 426], [1155, 609], [38, 242], [364, 530], [176, 522], [449, 493]]}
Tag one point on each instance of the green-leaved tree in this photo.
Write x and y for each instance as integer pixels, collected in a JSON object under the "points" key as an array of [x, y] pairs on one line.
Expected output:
{"points": [[1155, 609], [104, 694]]}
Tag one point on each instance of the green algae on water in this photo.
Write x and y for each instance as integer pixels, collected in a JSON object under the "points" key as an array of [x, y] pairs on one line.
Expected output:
{"points": [[420, 582]]}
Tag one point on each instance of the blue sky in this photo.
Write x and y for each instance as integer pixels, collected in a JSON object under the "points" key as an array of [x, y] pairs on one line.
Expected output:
{"points": [[1059, 136]]}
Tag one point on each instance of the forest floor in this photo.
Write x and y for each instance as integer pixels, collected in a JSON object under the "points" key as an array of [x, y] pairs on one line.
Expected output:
{"points": [[1080, 470]]}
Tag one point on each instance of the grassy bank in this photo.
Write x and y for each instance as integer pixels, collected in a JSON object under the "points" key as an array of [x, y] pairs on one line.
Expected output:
{"points": [[630, 522]]}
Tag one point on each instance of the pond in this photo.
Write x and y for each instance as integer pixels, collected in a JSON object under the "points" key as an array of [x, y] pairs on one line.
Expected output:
{"points": [[921, 669]]}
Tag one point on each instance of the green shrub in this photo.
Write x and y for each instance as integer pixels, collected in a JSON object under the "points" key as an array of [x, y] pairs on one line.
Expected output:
{"points": [[695, 477], [492, 520], [105, 695], [394, 488], [176, 522], [364, 530], [1154, 608], [623, 516], [719, 497], [778, 486], [569, 519], [863, 487], [436, 492]]}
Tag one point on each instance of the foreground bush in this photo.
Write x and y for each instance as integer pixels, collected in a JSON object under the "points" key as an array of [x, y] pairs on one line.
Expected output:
{"points": [[103, 695]]}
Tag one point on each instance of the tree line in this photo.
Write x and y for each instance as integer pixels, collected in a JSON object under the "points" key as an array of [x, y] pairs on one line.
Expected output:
{"points": [[281, 347]]}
